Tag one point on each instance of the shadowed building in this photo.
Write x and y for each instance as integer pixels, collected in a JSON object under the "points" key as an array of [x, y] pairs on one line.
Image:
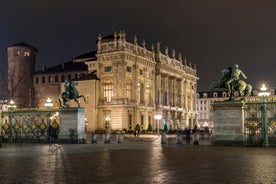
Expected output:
{"points": [[21, 65]]}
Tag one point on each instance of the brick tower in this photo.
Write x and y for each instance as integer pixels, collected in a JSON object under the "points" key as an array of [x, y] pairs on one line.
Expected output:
{"points": [[21, 65]]}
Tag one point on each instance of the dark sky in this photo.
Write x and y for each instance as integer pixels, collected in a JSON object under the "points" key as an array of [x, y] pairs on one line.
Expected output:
{"points": [[214, 34]]}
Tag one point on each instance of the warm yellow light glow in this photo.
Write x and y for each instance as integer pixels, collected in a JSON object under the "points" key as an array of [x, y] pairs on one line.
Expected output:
{"points": [[264, 91], [107, 118], [11, 104], [158, 116], [48, 103]]}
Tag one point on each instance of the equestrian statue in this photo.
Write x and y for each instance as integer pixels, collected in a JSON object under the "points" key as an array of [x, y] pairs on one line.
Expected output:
{"points": [[230, 80], [70, 93]]}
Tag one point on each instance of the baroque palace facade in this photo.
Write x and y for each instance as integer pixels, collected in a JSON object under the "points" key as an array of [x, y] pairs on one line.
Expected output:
{"points": [[125, 84]]}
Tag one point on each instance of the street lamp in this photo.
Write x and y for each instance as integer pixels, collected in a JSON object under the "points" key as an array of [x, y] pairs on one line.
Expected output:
{"points": [[264, 134], [107, 119], [48, 103], [157, 117], [11, 106]]}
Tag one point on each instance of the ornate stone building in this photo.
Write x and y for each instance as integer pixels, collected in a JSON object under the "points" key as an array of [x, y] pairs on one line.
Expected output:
{"points": [[127, 84], [136, 84]]}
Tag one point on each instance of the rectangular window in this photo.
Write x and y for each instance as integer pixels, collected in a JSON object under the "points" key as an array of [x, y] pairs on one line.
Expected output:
{"points": [[108, 69], [69, 77], [17, 53], [129, 121], [43, 79], [49, 79], [56, 78], [62, 78], [128, 69], [26, 53], [141, 72], [36, 80]]}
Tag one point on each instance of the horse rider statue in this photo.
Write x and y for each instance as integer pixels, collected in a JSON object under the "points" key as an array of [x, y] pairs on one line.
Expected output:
{"points": [[71, 93], [230, 80]]}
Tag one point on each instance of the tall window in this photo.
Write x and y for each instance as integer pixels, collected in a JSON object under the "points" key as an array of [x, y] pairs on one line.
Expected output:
{"points": [[142, 94], [128, 88], [108, 90], [129, 121], [56, 78], [62, 78], [49, 79]]}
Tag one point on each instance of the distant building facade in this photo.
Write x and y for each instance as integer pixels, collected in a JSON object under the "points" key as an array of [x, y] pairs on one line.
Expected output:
{"points": [[205, 99], [126, 84]]}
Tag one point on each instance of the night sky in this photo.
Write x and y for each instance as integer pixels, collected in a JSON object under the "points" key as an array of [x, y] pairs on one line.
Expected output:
{"points": [[214, 34]]}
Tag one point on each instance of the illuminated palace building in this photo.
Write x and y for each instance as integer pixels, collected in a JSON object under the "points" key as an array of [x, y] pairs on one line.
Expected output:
{"points": [[125, 84]]}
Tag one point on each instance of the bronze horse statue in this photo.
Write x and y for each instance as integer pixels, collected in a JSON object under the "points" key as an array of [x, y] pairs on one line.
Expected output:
{"points": [[71, 93], [242, 87]]}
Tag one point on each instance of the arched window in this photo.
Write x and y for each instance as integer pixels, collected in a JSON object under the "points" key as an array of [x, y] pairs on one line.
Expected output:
{"points": [[108, 90], [128, 89]]}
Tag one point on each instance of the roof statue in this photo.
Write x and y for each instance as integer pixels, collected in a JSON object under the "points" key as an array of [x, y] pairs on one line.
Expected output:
{"points": [[230, 80], [70, 93]]}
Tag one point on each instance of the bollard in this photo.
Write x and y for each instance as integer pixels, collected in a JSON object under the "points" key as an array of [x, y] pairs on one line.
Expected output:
{"points": [[178, 138], [119, 138], [164, 138], [94, 138], [107, 138], [195, 139], [0, 141]]}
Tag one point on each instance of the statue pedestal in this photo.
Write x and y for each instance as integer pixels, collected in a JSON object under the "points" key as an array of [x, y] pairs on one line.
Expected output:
{"points": [[228, 120], [72, 126]]}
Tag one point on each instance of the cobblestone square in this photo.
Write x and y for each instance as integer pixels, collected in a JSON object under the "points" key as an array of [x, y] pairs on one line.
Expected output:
{"points": [[135, 162]]}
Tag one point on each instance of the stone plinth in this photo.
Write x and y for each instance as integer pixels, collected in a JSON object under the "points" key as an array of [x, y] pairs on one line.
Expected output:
{"points": [[228, 117], [72, 126]]}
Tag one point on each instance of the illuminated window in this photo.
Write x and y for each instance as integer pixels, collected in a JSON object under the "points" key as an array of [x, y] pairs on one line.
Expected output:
{"points": [[128, 88], [17, 53], [108, 90], [26, 53], [49, 79], [215, 95]]}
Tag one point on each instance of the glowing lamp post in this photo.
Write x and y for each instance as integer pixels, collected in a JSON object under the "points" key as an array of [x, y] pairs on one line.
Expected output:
{"points": [[48, 103], [264, 134], [11, 107], [107, 120], [157, 117]]}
